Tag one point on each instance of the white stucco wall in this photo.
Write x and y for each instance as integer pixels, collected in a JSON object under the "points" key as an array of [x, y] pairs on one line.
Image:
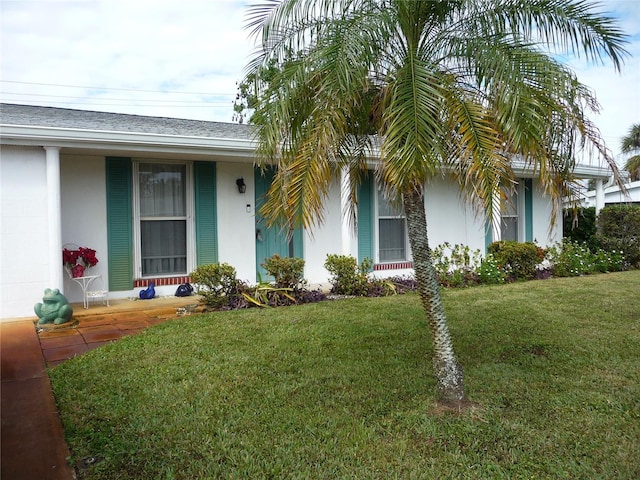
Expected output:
{"points": [[325, 239], [542, 210], [24, 262], [236, 219], [450, 219], [84, 214]]}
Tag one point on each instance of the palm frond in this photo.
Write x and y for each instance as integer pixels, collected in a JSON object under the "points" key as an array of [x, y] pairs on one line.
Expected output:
{"points": [[631, 141]]}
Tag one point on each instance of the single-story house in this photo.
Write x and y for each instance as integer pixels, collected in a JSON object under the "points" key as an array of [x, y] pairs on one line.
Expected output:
{"points": [[155, 197]]}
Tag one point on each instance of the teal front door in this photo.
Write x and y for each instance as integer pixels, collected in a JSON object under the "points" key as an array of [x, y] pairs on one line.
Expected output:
{"points": [[271, 240]]}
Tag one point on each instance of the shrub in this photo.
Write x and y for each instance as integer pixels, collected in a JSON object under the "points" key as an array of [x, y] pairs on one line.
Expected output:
{"points": [[221, 290], [490, 272], [265, 294], [570, 259], [583, 230], [518, 260], [310, 296], [346, 277], [456, 266], [217, 283], [287, 272], [619, 231]]}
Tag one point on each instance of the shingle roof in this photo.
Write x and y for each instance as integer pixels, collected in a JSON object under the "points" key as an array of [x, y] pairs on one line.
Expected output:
{"points": [[36, 116]]}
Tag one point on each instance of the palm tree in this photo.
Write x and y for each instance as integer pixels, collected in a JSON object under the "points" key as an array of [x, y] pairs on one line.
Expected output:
{"points": [[631, 144], [455, 87]]}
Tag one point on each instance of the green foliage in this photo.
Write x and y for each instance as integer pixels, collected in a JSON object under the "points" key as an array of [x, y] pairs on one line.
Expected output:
{"points": [[346, 276], [490, 272], [583, 229], [286, 271], [570, 259], [266, 295], [631, 144], [619, 231], [456, 265], [217, 283], [518, 260], [631, 141], [632, 165], [252, 87]]}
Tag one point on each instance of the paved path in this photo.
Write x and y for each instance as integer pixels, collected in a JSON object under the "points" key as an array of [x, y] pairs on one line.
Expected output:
{"points": [[32, 445]]}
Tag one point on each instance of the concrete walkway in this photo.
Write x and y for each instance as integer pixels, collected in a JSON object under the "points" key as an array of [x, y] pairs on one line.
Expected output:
{"points": [[32, 445], [31, 439]]}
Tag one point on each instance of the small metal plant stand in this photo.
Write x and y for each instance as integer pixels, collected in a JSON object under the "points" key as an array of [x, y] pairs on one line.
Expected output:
{"points": [[85, 283]]}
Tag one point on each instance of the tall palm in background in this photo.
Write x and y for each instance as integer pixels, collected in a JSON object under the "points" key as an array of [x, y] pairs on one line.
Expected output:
{"points": [[631, 144], [449, 87]]}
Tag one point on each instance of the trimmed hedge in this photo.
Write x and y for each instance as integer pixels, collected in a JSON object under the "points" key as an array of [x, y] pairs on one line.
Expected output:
{"points": [[518, 260]]}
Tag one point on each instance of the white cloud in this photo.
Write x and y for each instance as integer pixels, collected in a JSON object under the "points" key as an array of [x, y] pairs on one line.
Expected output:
{"points": [[199, 48]]}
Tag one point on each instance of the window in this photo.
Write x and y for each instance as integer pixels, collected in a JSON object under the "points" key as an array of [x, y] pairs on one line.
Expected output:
{"points": [[509, 213], [392, 232], [162, 213]]}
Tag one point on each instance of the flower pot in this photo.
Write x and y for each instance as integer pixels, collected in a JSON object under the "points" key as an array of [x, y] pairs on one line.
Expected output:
{"points": [[77, 271]]}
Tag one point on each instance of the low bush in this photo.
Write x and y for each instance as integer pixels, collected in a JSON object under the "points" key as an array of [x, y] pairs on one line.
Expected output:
{"points": [[221, 290], [286, 271], [619, 231], [518, 260], [346, 276], [570, 259], [490, 271], [457, 265], [217, 283]]}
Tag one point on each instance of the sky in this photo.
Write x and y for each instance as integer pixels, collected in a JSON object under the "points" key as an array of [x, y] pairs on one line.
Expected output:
{"points": [[183, 59]]}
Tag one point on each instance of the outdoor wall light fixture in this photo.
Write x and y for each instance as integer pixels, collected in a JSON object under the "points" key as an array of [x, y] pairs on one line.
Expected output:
{"points": [[242, 187]]}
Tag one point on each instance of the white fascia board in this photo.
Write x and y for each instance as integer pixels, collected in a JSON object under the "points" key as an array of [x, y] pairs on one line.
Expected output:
{"points": [[580, 170], [592, 172], [72, 138]]}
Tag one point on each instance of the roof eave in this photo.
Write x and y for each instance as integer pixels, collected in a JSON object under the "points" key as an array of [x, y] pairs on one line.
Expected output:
{"points": [[75, 138]]}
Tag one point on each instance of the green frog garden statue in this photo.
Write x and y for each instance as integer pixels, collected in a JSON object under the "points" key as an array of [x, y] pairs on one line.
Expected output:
{"points": [[54, 308]]}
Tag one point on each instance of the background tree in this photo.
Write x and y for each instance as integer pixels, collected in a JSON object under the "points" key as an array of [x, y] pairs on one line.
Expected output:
{"points": [[250, 89], [631, 144], [454, 87]]}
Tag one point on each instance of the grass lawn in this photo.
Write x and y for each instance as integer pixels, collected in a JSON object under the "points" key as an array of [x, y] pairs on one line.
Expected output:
{"points": [[344, 389]]}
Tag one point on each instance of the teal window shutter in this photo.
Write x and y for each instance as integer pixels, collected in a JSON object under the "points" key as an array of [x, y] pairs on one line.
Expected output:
{"points": [[206, 213], [298, 243], [365, 218], [119, 180], [528, 209]]}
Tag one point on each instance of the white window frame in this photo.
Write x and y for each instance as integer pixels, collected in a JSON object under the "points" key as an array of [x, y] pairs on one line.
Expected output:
{"points": [[519, 211], [376, 243], [190, 224]]}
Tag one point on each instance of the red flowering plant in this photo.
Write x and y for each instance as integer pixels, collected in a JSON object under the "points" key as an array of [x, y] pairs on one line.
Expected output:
{"points": [[78, 260]]}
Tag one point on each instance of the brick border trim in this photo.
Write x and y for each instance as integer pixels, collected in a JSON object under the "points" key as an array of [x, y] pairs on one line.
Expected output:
{"points": [[161, 282]]}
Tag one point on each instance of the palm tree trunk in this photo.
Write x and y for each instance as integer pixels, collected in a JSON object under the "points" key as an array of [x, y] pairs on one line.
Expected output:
{"points": [[448, 371]]}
